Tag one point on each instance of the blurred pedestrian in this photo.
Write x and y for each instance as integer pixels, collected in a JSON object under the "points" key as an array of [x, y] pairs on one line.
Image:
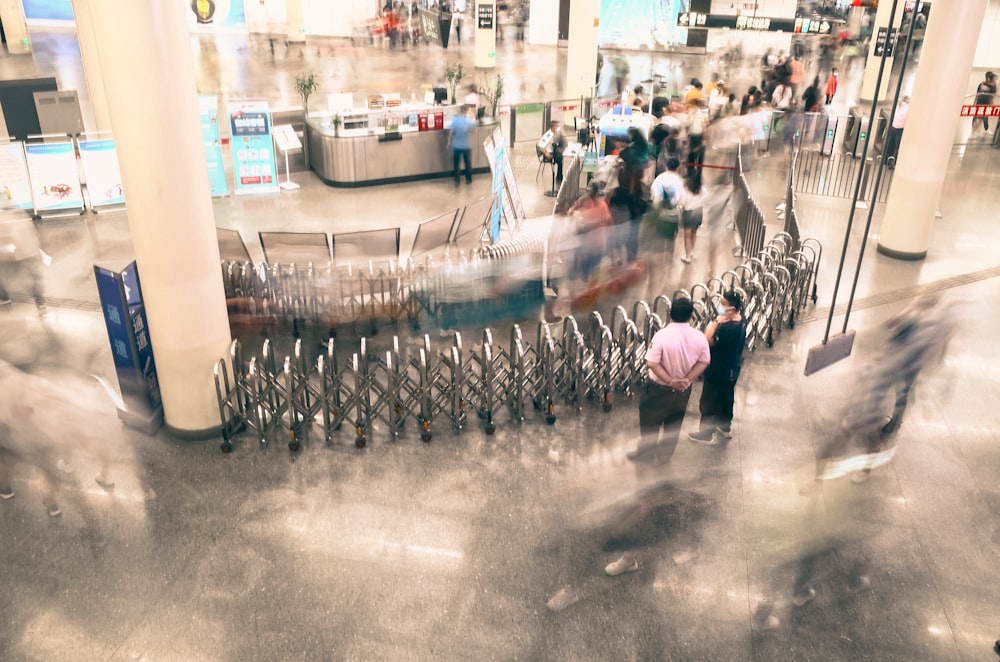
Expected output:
{"points": [[831, 86], [693, 199]]}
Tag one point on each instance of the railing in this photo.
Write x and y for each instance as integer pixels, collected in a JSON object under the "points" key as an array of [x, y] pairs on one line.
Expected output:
{"points": [[569, 364], [748, 218]]}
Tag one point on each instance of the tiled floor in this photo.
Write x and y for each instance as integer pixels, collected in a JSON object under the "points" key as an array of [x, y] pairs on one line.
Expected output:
{"points": [[451, 550]]}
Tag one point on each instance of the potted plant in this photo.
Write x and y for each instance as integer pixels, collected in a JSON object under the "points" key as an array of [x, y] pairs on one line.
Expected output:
{"points": [[305, 85], [336, 123], [453, 72], [491, 91]]}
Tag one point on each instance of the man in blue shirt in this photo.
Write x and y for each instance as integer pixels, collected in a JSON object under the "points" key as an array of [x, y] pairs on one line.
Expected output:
{"points": [[460, 141]]}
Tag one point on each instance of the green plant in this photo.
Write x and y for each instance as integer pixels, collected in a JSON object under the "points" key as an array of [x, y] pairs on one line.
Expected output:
{"points": [[454, 73], [305, 85], [491, 91], [337, 122]]}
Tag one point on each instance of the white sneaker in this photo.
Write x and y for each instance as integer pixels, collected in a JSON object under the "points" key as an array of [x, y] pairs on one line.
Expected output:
{"points": [[563, 598], [728, 434], [627, 563]]}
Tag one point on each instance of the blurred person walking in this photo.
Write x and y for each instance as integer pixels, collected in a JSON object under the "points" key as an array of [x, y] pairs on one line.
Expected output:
{"points": [[726, 336], [831, 86], [984, 97]]}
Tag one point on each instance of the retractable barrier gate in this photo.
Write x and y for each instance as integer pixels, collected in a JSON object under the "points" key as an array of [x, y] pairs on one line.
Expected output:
{"points": [[421, 387]]}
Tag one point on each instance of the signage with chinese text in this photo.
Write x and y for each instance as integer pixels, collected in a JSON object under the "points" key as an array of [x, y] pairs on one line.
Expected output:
{"points": [[253, 151], [208, 111]]}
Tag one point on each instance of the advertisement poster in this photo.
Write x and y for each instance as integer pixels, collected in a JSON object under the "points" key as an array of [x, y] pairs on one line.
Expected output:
{"points": [[253, 150], [54, 181], [496, 153], [104, 178], [208, 110], [15, 188]]}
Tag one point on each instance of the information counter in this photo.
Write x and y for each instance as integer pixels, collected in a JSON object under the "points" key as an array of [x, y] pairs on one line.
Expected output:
{"points": [[351, 157]]}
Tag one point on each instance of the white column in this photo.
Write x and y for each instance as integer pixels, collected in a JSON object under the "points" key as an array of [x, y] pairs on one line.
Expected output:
{"points": [[872, 64], [949, 46], [91, 66], [145, 54], [581, 58], [296, 22], [485, 38], [14, 28]]}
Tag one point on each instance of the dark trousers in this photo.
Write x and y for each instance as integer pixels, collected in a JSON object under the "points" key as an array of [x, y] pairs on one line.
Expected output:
{"points": [[696, 149], [661, 412], [466, 154], [716, 405]]}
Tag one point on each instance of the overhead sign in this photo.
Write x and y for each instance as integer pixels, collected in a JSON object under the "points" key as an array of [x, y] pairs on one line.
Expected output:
{"points": [[753, 23]]}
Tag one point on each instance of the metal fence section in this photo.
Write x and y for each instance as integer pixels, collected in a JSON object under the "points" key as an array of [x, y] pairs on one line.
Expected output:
{"points": [[836, 176], [748, 218], [567, 365]]}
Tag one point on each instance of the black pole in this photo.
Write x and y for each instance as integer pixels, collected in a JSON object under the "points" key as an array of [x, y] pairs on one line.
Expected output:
{"points": [[861, 172], [881, 163]]}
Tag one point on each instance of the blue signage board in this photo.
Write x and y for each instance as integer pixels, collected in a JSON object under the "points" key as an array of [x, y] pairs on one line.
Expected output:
{"points": [[252, 146], [208, 110], [128, 334]]}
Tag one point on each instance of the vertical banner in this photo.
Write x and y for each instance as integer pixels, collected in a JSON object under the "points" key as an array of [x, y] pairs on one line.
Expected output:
{"points": [[104, 178], [125, 320], [253, 151], [15, 188], [55, 184], [208, 110]]}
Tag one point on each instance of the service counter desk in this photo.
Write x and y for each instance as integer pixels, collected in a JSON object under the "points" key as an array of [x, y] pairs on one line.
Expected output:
{"points": [[366, 157]]}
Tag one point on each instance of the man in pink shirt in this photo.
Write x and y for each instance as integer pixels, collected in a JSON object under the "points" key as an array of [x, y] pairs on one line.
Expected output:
{"points": [[677, 356]]}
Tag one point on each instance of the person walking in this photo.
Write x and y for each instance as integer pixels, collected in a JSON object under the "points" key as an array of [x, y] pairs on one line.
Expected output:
{"points": [[726, 337], [831, 86], [984, 97], [460, 142], [693, 201], [678, 354]]}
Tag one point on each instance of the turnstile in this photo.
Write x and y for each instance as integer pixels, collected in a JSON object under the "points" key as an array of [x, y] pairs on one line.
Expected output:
{"points": [[857, 132]]}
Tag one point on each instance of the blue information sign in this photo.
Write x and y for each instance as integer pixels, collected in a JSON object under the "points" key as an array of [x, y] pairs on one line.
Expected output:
{"points": [[208, 109], [253, 151], [128, 333]]}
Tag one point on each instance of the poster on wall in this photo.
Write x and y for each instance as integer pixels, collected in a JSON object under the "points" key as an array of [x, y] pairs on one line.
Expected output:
{"points": [[15, 188], [252, 147], [55, 184], [208, 110], [104, 178]]}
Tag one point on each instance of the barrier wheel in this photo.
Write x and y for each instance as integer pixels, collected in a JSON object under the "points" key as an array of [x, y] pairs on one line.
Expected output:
{"points": [[360, 442], [606, 407], [425, 436], [226, 447], [770, 339], [490, 429], [293, 446], [550, 419]]}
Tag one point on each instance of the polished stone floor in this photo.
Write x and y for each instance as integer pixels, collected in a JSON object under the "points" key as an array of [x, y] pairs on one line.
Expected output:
{"points": [[452, 550]]}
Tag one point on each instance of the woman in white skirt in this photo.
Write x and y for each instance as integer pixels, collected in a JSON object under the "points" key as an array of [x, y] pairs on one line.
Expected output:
{"points": [[694, 198]]}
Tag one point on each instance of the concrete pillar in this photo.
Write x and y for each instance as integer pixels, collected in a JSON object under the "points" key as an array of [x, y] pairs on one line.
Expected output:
{"points": [[149, 78], [485, 38], [91, 66], [581, 59], [949, 46], [14, 28], [872, 64]]}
